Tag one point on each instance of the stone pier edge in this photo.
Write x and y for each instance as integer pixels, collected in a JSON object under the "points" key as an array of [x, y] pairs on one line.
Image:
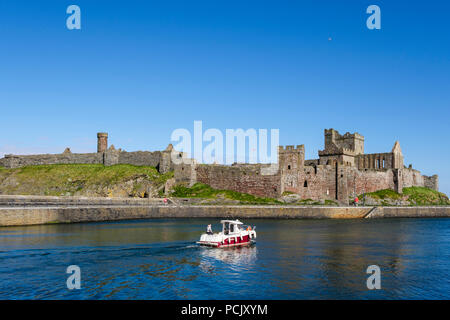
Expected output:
{"points": [[20, 216]]}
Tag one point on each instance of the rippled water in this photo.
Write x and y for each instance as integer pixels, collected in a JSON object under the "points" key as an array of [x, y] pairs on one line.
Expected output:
{"points": [[293, 259]]}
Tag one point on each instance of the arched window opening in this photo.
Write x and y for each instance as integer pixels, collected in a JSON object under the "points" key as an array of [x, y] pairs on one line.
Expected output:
{"points": [[305, 184]]}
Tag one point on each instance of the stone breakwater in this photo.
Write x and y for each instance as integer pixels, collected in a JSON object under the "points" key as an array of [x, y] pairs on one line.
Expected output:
{"points": [[25, 210]]}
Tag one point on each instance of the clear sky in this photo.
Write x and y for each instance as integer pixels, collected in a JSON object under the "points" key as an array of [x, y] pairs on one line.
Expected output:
{"points": [[141, 69]]}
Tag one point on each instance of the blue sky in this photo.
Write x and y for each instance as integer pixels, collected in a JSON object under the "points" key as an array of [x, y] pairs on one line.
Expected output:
{"points": [[140, 69]]}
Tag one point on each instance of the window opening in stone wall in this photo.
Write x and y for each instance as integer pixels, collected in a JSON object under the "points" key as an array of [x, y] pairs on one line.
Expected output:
{"points": [[305, 184]]}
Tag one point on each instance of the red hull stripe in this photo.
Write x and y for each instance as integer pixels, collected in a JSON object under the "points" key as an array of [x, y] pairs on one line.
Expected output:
{"points": [[218, 244]]}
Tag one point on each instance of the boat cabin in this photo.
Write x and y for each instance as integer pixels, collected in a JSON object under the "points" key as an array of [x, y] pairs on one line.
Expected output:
{"points": [[231, 226], [234, 233]]}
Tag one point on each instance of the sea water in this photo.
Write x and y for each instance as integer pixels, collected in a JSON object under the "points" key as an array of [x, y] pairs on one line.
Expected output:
{"points": [[292, 259]]}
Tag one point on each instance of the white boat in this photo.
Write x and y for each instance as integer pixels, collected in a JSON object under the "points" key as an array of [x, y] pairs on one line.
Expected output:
{"points": [[234, 233]]}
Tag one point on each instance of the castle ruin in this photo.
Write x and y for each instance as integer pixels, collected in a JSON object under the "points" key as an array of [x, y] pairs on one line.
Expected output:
{"points": [[105, 155], [341, 172]]}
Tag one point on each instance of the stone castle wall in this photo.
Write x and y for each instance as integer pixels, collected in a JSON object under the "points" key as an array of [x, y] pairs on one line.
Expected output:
{"points": [[140, 158], [431, 182], [240, 178], [310, 182], [185, 173], [412, 177], [362, 181], [158, 159], [314, 182], [328, 182], [13, 161], [338, 182]]}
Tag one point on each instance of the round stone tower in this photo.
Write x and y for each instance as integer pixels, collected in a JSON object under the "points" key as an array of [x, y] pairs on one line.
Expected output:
{"points": [[102, 141]]}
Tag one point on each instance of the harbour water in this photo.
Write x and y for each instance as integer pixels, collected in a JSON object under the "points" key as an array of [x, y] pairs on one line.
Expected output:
{"points": [[292, 259]]}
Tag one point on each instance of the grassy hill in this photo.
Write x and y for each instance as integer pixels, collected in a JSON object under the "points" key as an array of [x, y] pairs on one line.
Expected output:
{"points": [[121, 180], [412, 196]]}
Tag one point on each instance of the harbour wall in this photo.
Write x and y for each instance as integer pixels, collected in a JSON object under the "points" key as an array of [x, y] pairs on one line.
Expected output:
{"points": [[16, 216], [72, 213]]}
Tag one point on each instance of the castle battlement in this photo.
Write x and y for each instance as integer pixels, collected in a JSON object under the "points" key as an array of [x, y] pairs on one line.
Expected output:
{"points": [[291, 148], [346, 135]]}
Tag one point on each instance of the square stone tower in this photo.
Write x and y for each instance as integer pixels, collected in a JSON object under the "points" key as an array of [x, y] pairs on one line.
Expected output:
{"points": [[102, 142], [291, 161], [341, 149]]}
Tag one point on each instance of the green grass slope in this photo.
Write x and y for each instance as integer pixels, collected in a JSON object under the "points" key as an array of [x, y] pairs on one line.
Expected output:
{"points": [[82, 179], [425, 196], [414, 196]]}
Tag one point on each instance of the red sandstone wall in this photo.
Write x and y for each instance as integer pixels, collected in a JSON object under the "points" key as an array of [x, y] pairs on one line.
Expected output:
{"points": [[320, 183], [411, 178], [320, 180], [369, 181], [242, 179]]}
